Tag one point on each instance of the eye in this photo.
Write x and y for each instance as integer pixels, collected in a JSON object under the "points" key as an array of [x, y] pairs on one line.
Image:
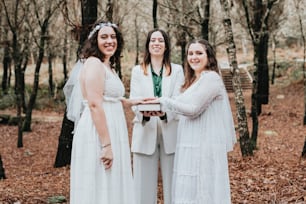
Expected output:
{"points": [[113, 36], [161, 40]]}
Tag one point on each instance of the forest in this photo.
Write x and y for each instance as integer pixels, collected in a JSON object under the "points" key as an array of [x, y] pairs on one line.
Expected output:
{"points": [[261, 50]]}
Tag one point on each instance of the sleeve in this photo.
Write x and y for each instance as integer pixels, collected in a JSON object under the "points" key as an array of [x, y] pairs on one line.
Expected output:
{"points": [[177, 85], [135, 89], [194, 101]]}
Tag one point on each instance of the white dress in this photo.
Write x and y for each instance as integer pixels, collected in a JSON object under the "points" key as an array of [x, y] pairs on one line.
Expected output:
{"points": [[205, 134], [90, 183]]}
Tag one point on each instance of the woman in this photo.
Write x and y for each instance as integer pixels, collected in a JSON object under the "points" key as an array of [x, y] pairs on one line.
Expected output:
{"points": [[100, 163], [205, 132], [154, 133]]}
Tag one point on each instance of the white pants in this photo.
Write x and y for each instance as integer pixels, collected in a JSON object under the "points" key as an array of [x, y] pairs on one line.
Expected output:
{"points": [[145, 169]]}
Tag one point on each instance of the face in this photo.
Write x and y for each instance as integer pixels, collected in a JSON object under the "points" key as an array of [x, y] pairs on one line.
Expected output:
{"points": [[107, 41], [157, 44], [197, 57]]}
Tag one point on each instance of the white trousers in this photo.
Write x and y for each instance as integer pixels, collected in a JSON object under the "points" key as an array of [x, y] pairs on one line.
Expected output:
{"points": [[145, 170]]}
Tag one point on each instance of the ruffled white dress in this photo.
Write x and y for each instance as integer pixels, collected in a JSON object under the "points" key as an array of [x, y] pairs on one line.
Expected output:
{"points": [[90, 183], [205, 134]]}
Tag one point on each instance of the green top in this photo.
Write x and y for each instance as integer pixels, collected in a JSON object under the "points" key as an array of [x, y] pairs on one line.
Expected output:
{"points": [[157, 82]]}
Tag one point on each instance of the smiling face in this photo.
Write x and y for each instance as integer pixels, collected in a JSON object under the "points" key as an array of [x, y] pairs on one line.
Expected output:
{"points": [[157, 44], [197, 57], [107, 41]]}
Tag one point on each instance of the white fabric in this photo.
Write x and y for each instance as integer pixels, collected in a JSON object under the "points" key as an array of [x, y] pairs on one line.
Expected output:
{"points": [[73, 94], [205, 134], [145, 168], [90, 183], [144, 135]]}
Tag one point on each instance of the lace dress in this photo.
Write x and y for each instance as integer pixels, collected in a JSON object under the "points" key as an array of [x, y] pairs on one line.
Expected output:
{"points": [[205, 134], [90, 182]]}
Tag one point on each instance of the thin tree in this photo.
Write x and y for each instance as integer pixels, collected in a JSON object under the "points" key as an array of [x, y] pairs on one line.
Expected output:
{"points": [[258, 28], [154, 13], [2, 171], [244, 138], [14, 21], [297, 7], [43, 23]]}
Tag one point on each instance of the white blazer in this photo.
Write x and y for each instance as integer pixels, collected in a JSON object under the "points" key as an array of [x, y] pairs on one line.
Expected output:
{"points": [[144, 135]]}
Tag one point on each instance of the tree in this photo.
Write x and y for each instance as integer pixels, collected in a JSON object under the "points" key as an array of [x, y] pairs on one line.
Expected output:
{"points": [[244, 138], [43, 18], [15, 13], [2, 172], [89, 16], [297, 7], [258, 28], [154, 13]]}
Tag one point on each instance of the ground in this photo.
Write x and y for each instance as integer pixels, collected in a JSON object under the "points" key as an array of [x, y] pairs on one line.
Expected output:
{"points": [[275, 174]]}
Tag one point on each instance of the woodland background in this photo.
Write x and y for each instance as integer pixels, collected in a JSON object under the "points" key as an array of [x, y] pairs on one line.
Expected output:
{"points": [[38, 45]]}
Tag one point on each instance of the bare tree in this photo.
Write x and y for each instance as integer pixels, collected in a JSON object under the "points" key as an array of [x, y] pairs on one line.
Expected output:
{"points": [[245, 141], [298, 4], [154, 13], [258, 15], [43, 18], [15, 13]]}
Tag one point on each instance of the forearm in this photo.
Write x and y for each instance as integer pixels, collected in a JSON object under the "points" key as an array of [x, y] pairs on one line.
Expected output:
{"points": [[99, 120]]}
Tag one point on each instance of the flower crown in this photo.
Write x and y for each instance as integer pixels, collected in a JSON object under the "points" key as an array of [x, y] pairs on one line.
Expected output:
{"points": [[99, 26]]}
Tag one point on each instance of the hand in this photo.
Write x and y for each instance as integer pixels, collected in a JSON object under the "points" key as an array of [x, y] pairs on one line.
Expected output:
{"points": [[150, 100], [130, 102], [107, 157]]}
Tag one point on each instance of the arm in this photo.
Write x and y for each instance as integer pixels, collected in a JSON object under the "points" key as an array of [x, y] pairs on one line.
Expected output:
{"points": [[135, 90], [94, 79], [178, 81], [195, 100]]}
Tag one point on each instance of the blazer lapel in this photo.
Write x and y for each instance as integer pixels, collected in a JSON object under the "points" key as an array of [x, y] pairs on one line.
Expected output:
{"points": [[148, 86], [166, 82]]}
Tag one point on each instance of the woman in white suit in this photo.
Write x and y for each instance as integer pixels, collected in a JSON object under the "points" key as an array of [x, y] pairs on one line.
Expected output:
{"points": [[154, 133]]}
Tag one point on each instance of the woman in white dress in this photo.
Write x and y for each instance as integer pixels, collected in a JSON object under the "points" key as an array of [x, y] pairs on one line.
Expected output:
{"points": [[100, 162], [205, 132]]}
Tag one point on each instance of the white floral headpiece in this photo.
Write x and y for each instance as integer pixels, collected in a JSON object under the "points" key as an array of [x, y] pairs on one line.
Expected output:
{"points": [[99, 26]]}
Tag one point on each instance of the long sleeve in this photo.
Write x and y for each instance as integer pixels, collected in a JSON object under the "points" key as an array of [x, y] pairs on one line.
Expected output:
{"points": [[176, 85], [196, 98]]}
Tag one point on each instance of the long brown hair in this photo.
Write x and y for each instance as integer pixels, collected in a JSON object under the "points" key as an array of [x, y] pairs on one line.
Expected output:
{"points": [[166, 58], [91, 48], [212, 63]]}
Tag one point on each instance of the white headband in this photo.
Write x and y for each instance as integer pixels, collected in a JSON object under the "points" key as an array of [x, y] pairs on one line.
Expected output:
{"points": [[99, 26]]}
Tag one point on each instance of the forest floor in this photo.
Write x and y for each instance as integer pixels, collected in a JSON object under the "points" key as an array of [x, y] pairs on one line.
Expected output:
{"points": [[276, 174]]}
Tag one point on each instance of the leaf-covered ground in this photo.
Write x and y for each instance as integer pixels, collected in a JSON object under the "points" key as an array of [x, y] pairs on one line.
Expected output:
{"points": [[275, 174]]}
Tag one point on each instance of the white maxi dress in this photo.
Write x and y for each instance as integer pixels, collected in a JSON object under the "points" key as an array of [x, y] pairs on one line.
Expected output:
{"points": [[90, 183], [205, 134]]}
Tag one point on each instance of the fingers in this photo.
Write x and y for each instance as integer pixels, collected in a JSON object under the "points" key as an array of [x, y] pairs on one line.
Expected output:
{"points": [[107, 162]]}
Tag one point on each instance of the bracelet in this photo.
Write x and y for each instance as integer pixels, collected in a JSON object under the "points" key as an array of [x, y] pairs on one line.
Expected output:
{"points": [[106, 145]]}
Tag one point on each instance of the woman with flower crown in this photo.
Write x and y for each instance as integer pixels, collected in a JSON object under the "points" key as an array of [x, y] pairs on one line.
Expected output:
{"points": [[100, 162]]}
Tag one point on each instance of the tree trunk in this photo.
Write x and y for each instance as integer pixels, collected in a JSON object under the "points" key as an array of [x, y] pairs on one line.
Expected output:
{"points": [[245, 142], [205, 22], [274, 60], [154, 13], [63, 156], [89, 17], [50, 71], [6, 68], [137, 41], [2, 171], [28, 118]]}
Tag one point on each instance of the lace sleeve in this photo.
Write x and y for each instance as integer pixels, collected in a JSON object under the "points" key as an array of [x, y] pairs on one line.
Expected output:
{"points": [[196, 98]]}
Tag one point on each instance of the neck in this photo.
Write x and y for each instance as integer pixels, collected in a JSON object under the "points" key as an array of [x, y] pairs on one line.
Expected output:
{"points": [[156, 63]]}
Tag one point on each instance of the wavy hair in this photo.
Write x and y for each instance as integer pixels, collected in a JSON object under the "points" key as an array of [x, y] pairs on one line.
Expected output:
{"points": [[212, 63], [91, 48]]}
